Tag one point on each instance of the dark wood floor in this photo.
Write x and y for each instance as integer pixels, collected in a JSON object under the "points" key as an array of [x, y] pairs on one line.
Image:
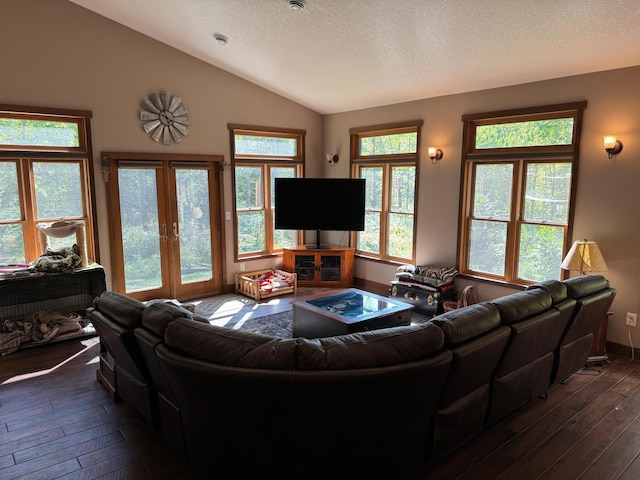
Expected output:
{"points": [[56, 421]]}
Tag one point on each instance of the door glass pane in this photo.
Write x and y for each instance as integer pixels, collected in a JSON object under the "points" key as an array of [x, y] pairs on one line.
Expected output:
{"points": [[540, 252], [547, 192], [492, 192], [58, 188], [192, 191], [12, 246], [487, 246], [140, 228]]}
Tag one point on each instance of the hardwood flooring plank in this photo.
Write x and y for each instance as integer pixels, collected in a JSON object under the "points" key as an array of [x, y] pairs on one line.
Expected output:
{"points": [[60, 456], [630, 382], [596, 411], [615, 459], [31, 441], [27, 454], [532, 465], [53, 471], [6, 461], [590, 447], [455, 465], [54, 418], [536, 434]]}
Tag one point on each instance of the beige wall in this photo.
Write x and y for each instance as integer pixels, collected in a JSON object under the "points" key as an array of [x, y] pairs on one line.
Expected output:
{"points": [[606, 203], [56, 54]]}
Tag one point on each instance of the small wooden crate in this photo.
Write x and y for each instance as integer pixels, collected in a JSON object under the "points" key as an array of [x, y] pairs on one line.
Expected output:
{"points": [[248, 283]]}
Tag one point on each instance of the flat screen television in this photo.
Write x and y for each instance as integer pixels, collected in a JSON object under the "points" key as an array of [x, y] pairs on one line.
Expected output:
{"points": [[319, 204]]}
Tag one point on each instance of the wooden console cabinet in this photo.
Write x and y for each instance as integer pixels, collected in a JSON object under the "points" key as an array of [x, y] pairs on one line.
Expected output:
{"points": [[331, 267]]}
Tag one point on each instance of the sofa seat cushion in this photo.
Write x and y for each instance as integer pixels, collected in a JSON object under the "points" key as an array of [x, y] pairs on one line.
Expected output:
{"points": [[121, 309], [157, 316], [375, 348], [225, 346]]}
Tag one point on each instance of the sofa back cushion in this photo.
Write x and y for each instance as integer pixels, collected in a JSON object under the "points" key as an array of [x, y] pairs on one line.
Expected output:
{"points": [[375, 348], [122, 309], [229, 347], [584, 285], [464, 324], [157, 316], [518, 306], [555, 288]]}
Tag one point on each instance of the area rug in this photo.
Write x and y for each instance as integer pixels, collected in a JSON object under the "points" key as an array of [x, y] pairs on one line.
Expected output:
{"points": [[222, 305]]}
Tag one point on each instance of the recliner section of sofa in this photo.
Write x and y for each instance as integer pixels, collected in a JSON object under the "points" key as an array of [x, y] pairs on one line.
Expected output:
{"points": [[154, 321], [372, 397], [115, 317], [390, 401], [477, 340], [584, 301], [525, 369]]}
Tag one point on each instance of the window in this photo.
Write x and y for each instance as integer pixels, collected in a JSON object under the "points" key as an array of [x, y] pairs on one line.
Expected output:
{"points": [[45, 176], [260, 155], [519, 178], [386, 156]]}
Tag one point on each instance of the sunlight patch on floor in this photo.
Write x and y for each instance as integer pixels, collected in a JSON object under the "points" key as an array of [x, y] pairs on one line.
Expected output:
{"points": [[89, 343]]}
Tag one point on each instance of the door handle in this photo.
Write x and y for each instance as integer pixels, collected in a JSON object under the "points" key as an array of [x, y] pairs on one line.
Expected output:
{"points": [[164, 235], [175, 231]]}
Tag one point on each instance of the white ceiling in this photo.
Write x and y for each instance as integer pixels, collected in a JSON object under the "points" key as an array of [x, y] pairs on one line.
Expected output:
{"points": [[342, 55]]}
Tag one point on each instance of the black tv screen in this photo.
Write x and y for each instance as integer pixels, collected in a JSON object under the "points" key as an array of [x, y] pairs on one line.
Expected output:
{"points": [[319, 204]]}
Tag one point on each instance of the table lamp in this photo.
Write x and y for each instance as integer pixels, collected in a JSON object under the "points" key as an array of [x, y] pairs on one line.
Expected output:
{"points": [[584, 257]]}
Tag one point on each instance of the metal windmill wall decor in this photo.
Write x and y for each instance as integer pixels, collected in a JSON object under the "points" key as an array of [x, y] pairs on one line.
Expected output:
{"points": [[165, 117]]}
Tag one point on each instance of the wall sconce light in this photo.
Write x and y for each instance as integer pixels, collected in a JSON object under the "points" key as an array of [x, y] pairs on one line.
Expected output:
{"points": [[612, 145], [332, 159], [435, 154]]}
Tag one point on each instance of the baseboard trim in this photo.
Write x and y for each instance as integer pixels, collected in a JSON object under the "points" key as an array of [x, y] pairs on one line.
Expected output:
{"points": [[622, 350]]}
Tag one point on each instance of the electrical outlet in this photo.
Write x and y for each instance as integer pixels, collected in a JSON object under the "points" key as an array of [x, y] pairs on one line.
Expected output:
{"points": [[632, 319], [242, 270], [227, 215]]}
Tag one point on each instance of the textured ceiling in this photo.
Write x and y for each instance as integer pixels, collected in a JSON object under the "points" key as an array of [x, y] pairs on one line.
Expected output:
{"points": [[342, 55]]}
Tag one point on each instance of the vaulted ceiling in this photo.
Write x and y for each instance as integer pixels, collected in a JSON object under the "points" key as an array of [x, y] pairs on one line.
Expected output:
{"points": [[341, 55]]}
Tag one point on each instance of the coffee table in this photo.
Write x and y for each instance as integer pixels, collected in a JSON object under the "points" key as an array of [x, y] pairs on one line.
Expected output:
{"points": [[347, 311]]}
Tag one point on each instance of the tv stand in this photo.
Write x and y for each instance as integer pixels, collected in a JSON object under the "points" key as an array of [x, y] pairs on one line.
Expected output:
{"points": [[318, 246], [329, 266]]}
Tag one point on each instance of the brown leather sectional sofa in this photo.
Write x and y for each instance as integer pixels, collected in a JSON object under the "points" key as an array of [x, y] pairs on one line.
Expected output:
{"points": [[378, 404]]}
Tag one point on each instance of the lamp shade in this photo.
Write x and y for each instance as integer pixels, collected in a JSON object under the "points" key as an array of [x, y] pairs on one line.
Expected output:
{"points": [[584, 257]]}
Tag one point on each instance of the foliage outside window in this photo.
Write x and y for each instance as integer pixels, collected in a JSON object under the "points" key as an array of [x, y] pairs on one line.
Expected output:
{"points": [[518, 184], [386, 157], [260, 156], [45, 176]]}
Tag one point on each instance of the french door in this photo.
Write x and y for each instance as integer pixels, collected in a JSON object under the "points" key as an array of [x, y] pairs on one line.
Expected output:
{"points": [[164, 213]]}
